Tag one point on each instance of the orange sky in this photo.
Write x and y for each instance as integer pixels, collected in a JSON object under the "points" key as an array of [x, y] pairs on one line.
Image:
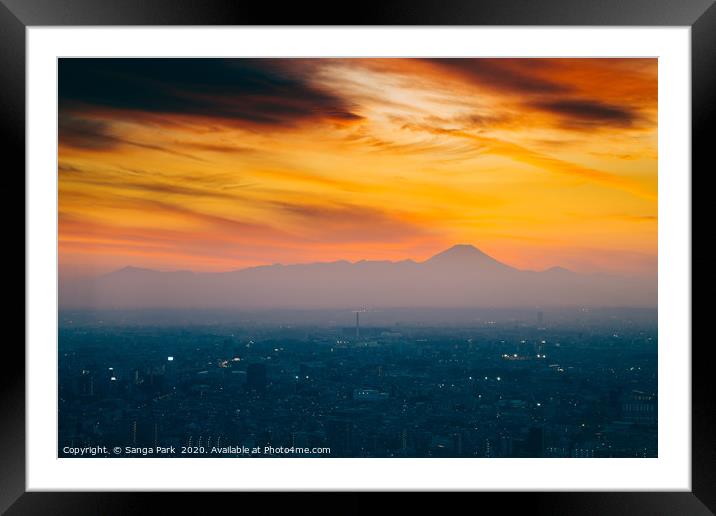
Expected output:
{"points": [[212, 165]]}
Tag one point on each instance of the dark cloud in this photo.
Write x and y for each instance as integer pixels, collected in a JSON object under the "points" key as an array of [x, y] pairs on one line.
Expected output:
{"points": [[217, 147], [85, 133], [93, 134], [503, 74], [264, 92], [588, 112], [529, 80], [64, 167]]}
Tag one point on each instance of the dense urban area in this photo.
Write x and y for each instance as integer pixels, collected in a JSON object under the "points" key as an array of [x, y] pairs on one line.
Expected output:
{"points": [[540, 384]]}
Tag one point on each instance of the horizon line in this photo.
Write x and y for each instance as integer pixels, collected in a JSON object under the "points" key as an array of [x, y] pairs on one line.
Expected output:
{"points": [[472, 247]]}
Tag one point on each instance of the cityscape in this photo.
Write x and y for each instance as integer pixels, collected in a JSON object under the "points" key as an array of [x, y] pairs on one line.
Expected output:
{"points": [[529, 384]]}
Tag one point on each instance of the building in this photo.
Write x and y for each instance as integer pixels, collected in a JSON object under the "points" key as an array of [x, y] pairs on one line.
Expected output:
{"points": [[639, 407]]}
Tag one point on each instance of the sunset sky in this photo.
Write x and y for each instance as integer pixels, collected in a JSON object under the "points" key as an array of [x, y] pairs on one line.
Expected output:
{"points": [[214, 165]]}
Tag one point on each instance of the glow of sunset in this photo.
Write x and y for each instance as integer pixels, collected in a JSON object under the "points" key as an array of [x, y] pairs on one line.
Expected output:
{"points": [[214, 165]]}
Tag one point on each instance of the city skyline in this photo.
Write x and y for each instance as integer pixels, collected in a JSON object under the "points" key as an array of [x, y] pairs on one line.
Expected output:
{"points": [[554, 384], [215, 165]]}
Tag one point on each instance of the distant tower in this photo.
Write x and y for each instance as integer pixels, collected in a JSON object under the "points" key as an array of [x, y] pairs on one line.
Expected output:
{"points": [[540, 318], [357, 324]]}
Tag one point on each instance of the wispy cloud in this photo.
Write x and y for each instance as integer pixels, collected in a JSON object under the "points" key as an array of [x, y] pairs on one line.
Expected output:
{"points": [[99, 135]]}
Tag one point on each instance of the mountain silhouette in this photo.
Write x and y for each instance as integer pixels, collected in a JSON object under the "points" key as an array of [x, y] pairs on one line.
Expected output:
{"points": [[466, 256], [462, 276]]}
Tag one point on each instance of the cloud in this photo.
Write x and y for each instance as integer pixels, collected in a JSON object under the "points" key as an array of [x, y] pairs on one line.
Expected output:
{"points": [[543, 161], [344, 222], [216, 147], [85, 133], [504, 75], [185, 190], [99, 135], [628, 217], [193, 223], [64, 167], [563, 88], [588, 113], [259, 92]]}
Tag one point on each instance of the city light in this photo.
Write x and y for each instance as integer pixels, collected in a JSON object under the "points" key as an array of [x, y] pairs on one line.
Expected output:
{"points": [[308, 387]]}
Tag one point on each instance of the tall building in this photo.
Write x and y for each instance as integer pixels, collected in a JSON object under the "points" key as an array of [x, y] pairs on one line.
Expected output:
{"points": [[639, 407], [86, 383]]}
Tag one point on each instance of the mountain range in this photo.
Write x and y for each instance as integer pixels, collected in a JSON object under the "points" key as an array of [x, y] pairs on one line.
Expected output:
{"points": [[462, 276]]}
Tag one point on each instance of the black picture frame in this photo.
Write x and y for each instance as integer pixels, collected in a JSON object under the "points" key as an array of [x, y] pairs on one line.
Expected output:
{"points": [[17, 15]]}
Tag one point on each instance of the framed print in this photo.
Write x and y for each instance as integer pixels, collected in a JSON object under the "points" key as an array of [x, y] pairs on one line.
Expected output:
{"points": [[425, 249]]}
